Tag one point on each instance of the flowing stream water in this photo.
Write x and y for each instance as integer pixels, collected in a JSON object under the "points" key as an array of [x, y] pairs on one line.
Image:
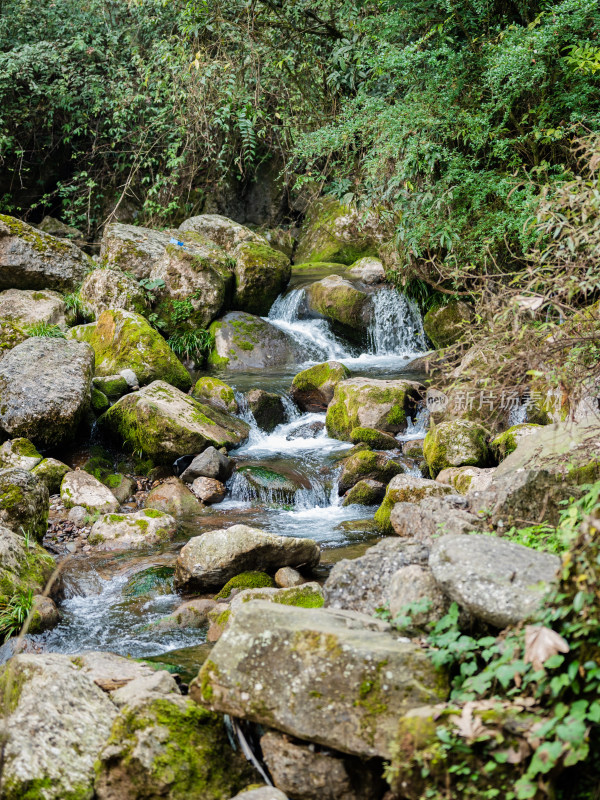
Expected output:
{"points": [[104, 610]]}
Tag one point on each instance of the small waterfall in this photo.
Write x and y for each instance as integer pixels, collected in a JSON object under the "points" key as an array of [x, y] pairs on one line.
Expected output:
{"points": [[397, 327], [292, 412], [518, 413], [418, 428], [242, 491], [286, 307]]}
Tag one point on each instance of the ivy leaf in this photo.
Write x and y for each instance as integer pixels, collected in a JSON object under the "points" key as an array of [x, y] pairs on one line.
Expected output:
{"points": [[541, 644]]}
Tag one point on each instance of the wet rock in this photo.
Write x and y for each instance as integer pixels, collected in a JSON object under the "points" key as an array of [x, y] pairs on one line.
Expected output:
{"points": [[426, 519], [152, 580], [245, 580], [144, 528], [412, 585], [309, 430], [312, 389], [209, 490], [198, 274], [319, 674], [309, 773], [25, 307], [174, 498], [369, 270], [79, 488], [406, 489], [193, 614], [22, 567], [267, 408], [215, 393], [287, 577], [262, 793], [456, 443], [106, 289], [31, 259], [45, 389], [113, 386], [272, 486], [378, 440], [363, 584], [370, 403], [445, 325], [413, 448], [506, 443], [207, 562], [100, 402], [44, 614], [164, 424], [243, 341], [368, 465], [366, 493], [222, 231], [209, 464], [494, 580], [122, 339], [19, 453], [339, 301], [122, 486], [261, 274], [467, 479], [23, 503], [132, 248], [336, 233]]}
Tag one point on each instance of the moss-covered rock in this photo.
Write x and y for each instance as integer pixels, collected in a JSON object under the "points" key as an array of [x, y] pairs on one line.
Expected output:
{"points": [[10, 336], [378, 440], [80, 488], [26, 307], [336, 233], [19, 453], [122, 486], [246, 580], [216, 393], [24, 565], [125, 340], [267, 408], [153, 580], [222, 231], [467, 479], [113, 386], [111, 288], [133, 249], [406, 489], [446, 324], [505, 443], [31, 259], [163, 424], [370, 403], [366, 492], [339, 301], [270, 486], [174, 498], [456, 443], [261, 274], [313, 388], [368, 464], [50, 471], [242, 341], [100, 402], [145, 528], [23, 503]]}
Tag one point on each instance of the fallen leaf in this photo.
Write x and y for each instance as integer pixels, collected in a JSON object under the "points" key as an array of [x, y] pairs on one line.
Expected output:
{"points": [[468, 726], [542, 643]]}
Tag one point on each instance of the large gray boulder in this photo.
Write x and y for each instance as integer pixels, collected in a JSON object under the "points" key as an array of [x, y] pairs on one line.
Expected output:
{"points": [[26, 307], [31, 259], [164, 424], [79, 488], [221, 230], [207, 562], [45, 387], [132, 248], [312, 389], [261, 274], [431, 517], [145, 528], [368, 270], [331, 677], [111, 288], [407, 489], [494, 580], [363, 584], [243, 341], [23, 567], [23, 503], [339, 301]]}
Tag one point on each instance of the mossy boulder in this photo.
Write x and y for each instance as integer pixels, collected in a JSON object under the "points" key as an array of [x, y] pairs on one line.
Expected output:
{"points": [[174, 498], [23, 566], [45, 389], [23, 503], [100, 402], [113, 386], [336, 233], [145, 528], [50, 472], [267, 408], [506, 443], [378, 440], [318, 269], [216, 393], [122, 486], [125, 340], [336, 299], [10, 336], [467, 479], [243, 341], [261, 274], [366, 492], [31, 259], [153, 580], [368, 464], [456, 443], [55, 227], [313, 388], [370, 403], [163, 424], [269, 485], [246, 580], [406, 489], [26, 307], [80, 488], [111, 288], [222, 231], [367, 270], [132, 248], [445, 325], [19, 453]]}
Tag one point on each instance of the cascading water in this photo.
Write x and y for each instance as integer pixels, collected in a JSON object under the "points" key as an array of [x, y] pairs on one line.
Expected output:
{"points": [[397, 327]]}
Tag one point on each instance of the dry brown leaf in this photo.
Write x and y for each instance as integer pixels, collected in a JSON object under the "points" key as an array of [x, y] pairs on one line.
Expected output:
{"points": [[516, 755], [542, 643], [468, 726]]}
